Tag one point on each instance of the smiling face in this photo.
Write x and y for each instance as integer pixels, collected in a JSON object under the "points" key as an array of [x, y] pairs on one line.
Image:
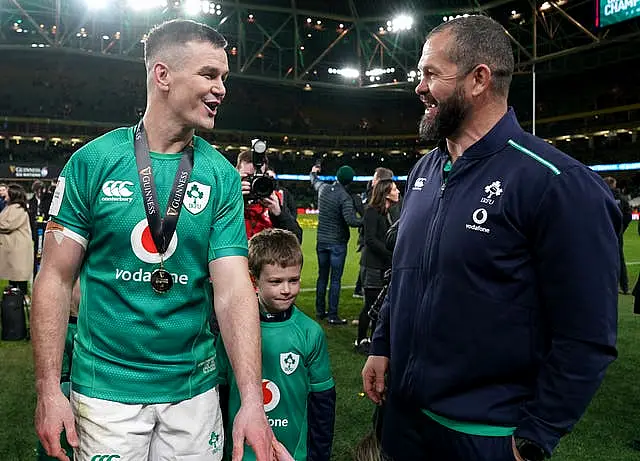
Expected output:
{"points": [[195, 83], [441, 90], [278, 287]]}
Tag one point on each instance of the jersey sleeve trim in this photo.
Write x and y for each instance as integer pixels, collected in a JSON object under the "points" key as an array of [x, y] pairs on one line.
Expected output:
{"points": [[323, 386], [229, 251], [69, 232]]}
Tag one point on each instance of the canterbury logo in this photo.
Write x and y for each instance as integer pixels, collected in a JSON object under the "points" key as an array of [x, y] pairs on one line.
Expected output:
{"points": [[117, 189], [105, 457]]}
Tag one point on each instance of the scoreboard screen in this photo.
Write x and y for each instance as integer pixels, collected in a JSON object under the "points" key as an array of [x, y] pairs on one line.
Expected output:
{"points": [[613, 11]]}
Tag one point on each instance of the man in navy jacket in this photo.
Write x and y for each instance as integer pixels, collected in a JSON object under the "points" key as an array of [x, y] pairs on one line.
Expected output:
{"points": [[501, 316]]}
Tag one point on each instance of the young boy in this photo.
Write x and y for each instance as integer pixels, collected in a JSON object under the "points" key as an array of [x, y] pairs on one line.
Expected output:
{"points": [[299, 392]]}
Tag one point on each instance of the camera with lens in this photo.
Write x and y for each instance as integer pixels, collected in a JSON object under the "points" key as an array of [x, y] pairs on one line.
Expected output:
{"points": [[262, 185]]}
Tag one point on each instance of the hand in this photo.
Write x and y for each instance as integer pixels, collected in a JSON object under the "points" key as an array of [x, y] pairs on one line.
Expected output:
{"points": [[273, 204], [373, 375], [246, 187], [516, 453], [315, 169], [53, 413], [280, 453], [250, 426]]}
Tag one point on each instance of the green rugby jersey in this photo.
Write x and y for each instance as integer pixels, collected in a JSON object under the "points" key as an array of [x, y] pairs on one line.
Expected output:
{"points": [[134, 345], [295, 362]]}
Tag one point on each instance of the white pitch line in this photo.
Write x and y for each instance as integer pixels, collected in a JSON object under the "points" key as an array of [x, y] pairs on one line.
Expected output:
{"points": [[342, 287], [633, 263]]}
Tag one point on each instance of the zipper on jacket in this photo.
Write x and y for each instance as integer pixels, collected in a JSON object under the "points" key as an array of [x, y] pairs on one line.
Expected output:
{"points": [[433, 241]]}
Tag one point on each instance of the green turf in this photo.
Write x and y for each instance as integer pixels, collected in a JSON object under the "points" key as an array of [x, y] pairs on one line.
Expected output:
{"points": [[603, 434]]}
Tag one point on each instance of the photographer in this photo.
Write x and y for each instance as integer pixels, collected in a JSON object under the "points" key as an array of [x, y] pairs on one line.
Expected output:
{"points": [[262, 211]]}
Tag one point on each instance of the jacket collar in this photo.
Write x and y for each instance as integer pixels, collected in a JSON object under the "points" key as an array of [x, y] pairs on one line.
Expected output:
{"points": [[494, 141]]}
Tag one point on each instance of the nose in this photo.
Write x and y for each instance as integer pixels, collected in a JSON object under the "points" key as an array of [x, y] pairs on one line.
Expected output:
{"points": [[218, 89], [285, 289], [422, 88]]}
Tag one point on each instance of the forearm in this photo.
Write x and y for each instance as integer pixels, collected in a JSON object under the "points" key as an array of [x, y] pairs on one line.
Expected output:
{"points": [[566, 384], [239, 322], [49, 318]]}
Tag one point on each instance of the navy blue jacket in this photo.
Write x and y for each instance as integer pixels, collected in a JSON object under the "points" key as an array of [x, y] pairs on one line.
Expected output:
{"points": [[503, 300]]}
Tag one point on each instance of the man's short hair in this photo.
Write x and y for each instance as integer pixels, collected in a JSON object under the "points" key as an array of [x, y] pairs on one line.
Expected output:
{"points": [[480, 40], [179, 32], [383, 173], [273, 246], [246, 156]]}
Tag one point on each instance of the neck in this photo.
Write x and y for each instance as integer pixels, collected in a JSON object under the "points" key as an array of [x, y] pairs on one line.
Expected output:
{"points": [[165, 135], [475, 127]]}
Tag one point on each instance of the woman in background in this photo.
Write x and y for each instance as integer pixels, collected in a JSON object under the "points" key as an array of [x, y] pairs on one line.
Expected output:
{"points": [[376, 257], [16, 246]]}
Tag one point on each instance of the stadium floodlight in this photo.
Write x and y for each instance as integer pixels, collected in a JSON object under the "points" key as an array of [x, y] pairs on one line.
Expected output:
{"points": [[400, 23], [349, 72], [143, 5], [97, 4], [192, 7]]}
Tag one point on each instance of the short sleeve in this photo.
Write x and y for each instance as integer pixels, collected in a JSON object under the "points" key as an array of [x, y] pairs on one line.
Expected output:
{"points": [[70, 205], [228, 236], [320, 377]]}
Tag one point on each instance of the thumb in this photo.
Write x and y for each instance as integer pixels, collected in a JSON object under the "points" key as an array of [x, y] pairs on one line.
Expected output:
{"points": [[70, 433]]}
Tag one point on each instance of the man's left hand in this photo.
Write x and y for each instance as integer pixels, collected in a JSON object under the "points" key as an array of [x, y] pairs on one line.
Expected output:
{"points": [[273, 204], [250, 426]]}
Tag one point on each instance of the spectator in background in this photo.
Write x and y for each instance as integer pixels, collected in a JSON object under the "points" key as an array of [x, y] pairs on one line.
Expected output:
{"points": [[376, 257], [625, 208], [336, 213], [288, 199], [40, 202], [378, 174], [16, 247], [38, 207], [267, 212], [3, 196]]}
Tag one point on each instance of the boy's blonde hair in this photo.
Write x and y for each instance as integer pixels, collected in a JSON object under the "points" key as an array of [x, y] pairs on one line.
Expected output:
{"points": [[368, 449], [273, 246]]}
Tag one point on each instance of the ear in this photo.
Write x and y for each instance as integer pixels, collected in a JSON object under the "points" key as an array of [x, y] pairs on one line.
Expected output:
{"points": [[161, 76], [482, 76]]}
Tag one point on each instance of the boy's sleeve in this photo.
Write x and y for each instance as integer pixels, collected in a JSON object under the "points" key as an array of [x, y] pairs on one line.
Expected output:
{"points": [[321, 404], [320, 377], [321, 418]]}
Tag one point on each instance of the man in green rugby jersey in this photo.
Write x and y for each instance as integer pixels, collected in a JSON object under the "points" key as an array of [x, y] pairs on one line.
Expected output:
{"points": [[147, 216]]}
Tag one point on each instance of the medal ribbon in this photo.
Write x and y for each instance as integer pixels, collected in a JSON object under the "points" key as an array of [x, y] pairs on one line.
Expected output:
{"points": [[162, 229]]}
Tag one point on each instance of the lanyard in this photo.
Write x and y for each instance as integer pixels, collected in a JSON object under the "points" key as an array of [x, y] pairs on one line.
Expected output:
{"points": [[162, 229]]}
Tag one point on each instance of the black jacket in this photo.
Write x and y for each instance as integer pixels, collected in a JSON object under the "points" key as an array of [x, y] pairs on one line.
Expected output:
{"points": [[375, 226]]}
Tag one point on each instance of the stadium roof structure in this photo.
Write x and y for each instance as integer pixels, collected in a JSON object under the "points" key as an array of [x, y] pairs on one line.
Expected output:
{"points": [[363, 44]]}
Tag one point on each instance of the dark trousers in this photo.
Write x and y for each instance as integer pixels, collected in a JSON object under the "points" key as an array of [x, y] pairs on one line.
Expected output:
{"points": [[331, 257], [410, 435], [370, 295]]}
